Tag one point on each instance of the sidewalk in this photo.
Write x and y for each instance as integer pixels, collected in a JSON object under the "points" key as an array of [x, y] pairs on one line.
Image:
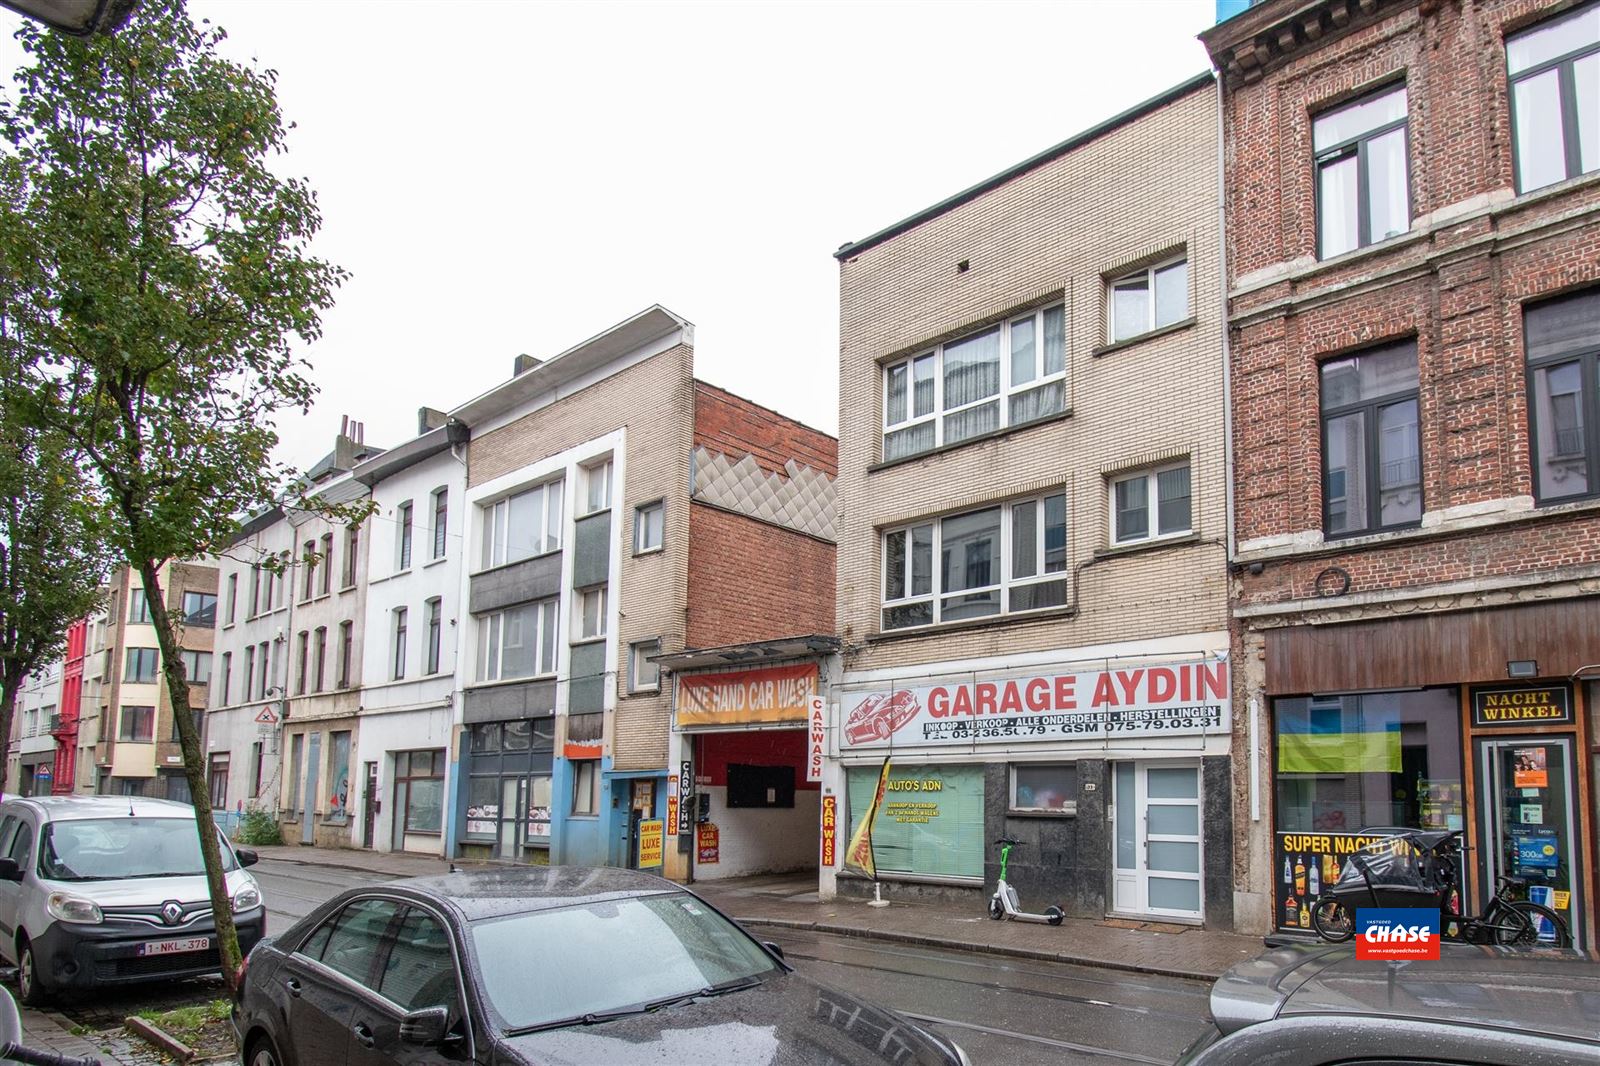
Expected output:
{"points": [[43, 1030], [788, 902]]}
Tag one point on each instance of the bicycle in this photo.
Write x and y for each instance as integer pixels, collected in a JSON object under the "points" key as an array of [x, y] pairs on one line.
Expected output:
{"points": [[1506, 921]]}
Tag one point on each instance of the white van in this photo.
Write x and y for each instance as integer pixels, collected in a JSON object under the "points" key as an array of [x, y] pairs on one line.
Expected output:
{"points": [[103, 890]]}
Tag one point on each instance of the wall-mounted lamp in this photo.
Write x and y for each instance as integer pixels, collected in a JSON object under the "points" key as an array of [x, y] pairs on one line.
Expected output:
{"points": [[1522, 668]]}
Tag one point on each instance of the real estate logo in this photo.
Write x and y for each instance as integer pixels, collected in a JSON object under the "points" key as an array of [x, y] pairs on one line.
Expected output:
{"points": [[1397, 933]]}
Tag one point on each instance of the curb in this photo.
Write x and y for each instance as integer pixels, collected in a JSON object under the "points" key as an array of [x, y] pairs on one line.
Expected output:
{"points": [[161, 1039], [977, 949]]}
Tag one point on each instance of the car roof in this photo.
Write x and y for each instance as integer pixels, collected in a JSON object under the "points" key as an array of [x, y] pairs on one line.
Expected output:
{"points": [[71, 808], [1535, 991], [504, 891]]}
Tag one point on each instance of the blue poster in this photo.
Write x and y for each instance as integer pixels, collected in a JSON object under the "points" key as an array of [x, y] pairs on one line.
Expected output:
{"points": [[1537, 851]]}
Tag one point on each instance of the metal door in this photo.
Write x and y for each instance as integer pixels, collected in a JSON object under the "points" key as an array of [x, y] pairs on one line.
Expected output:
{"points": [[1156, 843], [308, 795], [1526, 811], [369, 806]]}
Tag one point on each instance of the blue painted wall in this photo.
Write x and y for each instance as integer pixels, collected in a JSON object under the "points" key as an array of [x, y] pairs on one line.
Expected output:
{"points": [[578, 841]]}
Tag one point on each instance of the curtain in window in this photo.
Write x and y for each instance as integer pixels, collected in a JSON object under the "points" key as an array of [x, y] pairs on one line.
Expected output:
{"points": [[909, 441], [1172, 294], [1133, 516], [1037, 403], [1055, 340], [1130, 308], [1023, 352], [1540, 150], [971, 369], [1336, 207], [1558, 416], [895, 400], [1386, 183], [1172, 500]]}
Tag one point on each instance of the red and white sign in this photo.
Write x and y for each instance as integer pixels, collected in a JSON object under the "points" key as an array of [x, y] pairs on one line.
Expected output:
{"points": [[267, 716], [1160, 700], [815, 748]]}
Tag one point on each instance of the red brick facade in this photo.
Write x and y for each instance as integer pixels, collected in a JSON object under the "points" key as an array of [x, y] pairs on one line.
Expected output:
{"points": [[734, 426], [751, 581]]}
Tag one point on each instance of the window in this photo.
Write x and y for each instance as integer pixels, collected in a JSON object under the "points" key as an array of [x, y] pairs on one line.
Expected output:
{"points": [[196, 716], [431, 663], [265, 655], [200, 610], [350, 945], [1148, 299], [255, 589], [233, 596], [518, 642], [403, 538], [649, 524], [644, 675], [227, 679], [308, 558], [1150, 504], [591, 607], [297, 744], [522, 526], [441, 523], [1052, 789], [597, 486], [420, 972], [1363, 191], [1002, 559], [585, 787], [398, 662], [141, 666], [138, 607], [197, 667], [347, 637], [257, 760], [1371, 441], [249, 673], [1004, 375], [302, 658], [137, 725], [219, 782], [419, 790], [319, 658], [352, 545], [1555, 98], [1562, 338], [325, 564], [949, 842]]}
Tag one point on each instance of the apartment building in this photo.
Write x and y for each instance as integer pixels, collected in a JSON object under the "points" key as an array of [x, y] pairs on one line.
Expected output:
{"points": [[31, 762], [594, 479], [404, 754], [1032, 593], [1413, 211]]}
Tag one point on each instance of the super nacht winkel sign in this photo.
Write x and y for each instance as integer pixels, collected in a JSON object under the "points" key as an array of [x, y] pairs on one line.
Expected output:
{"points": [[1171, 699]]}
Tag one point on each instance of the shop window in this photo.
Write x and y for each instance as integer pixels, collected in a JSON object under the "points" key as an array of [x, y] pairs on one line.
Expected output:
{"points": [[1371, 442], [419, 790], [1345, 763], [760, 786], [1563, 350], [931, 822], [1045, 789]]}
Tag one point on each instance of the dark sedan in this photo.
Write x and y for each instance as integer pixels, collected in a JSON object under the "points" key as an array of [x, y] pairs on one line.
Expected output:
{"points": [[1318, 1005], [547, 965]]}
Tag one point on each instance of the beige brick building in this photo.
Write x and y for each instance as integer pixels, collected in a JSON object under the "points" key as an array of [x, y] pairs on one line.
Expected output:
{"points": [[1032, 527]]}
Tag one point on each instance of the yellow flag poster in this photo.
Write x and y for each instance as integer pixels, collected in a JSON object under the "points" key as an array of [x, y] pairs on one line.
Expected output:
{"points": [[858, 856]]}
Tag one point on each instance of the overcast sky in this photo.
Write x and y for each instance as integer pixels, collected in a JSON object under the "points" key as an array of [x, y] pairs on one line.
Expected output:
{"points": [[505, 177]]}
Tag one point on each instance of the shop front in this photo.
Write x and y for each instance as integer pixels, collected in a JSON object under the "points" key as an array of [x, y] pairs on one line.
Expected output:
{"points": [[1416, 724], [506, 808], [1114, 775]]}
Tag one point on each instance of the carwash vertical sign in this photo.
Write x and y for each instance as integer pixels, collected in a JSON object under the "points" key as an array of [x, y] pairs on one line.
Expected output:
{"points": [[1397, 933]]}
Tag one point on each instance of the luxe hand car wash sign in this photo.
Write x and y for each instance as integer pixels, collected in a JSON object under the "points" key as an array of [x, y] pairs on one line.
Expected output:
{"points": [[747, 697], [1170, 699]]}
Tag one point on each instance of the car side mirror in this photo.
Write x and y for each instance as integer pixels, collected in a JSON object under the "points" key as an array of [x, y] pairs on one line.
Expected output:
{"points": [[9, 870], [425, 1027], [247, 856], [774, 948]]}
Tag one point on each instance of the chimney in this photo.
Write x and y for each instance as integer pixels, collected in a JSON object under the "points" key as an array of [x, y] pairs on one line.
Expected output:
{"points": [[428, 418], [523, 364]]}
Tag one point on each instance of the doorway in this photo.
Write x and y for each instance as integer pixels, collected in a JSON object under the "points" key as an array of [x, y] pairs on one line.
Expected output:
{"points": [[369, 806], [1155, 840], [1527, 817], [308, 795]]}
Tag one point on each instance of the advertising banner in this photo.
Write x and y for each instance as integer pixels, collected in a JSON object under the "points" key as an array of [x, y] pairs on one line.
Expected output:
{"points": [[1306, 864], [815, 734], [672, 803], [1397, 933], [708, 843], [1174, 699], [858, 855], [686, 792], [747, 697], [651, 836]]}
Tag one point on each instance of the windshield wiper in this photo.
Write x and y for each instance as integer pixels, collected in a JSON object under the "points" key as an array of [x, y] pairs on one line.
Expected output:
{"points": [[600, 1017]]}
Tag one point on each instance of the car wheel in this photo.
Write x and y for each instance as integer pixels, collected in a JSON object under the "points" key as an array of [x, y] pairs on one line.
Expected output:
{"points": [[30, 993], [263, 1053]]}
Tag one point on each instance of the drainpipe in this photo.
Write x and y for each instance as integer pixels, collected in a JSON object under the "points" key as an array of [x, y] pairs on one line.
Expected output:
{"points": [[1227, 355]]}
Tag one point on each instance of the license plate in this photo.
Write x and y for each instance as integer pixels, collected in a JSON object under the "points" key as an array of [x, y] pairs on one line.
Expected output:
{"points": [[174, 947]]}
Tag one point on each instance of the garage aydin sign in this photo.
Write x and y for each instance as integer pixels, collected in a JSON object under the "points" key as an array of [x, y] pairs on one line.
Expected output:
{"points": [[1169, 699]]}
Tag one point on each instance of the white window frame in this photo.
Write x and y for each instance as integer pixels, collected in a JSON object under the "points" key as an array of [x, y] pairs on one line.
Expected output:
{"points": [[1152, 504], [596, 471], [580, 602], [493, 626], [638, 656], [405, 545], [641, 527], [1147, 274], [439, 537], [582, 769], [1008, 389], [1005, 563], [497, 523]]}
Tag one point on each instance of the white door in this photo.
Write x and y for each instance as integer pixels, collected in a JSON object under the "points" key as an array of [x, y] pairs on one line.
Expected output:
{"points": [[1155, 839]]}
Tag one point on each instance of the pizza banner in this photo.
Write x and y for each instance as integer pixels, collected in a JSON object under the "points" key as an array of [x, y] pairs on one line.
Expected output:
{"points": [[1160, 700]]}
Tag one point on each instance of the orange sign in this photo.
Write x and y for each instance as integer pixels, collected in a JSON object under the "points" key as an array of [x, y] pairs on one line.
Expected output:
{"points": [[830, 828], [747, 697], [672, 802]]}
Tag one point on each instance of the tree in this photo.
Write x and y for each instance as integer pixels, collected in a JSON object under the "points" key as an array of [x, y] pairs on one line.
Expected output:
{"points": [[163, 277]]}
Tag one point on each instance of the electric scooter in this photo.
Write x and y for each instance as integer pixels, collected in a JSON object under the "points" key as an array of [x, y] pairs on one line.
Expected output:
{"points": [[1004, 903]]}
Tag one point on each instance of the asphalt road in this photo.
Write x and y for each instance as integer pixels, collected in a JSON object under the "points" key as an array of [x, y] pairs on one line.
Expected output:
{"points": [[1001, 1010]]}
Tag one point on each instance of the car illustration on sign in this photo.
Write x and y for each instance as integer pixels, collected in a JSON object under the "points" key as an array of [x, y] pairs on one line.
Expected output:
{"points": [[880, 715]]}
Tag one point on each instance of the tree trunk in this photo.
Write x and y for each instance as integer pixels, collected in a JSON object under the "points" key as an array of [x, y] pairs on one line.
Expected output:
{"points": [[9, 687], [193, 767]]}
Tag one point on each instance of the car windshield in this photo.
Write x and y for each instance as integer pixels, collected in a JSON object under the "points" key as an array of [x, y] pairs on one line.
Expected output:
{"points": [[110, 849], [614, 956]]}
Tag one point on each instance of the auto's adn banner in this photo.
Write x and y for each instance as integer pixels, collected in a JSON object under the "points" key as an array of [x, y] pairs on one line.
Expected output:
{"points": [[1168, 699], [747, 697]]}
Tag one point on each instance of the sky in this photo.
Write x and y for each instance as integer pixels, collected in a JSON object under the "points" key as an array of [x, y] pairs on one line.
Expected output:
{"points": [[503, 177]]}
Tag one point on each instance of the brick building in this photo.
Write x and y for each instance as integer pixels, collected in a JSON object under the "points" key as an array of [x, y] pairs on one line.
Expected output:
{"points": [[1031, 585], [1413, 219], [616, 511]]}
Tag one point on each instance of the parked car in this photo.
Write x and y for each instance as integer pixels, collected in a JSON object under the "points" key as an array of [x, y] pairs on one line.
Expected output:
{"points": [[1317, 1004], [108, 890], [547, 965]]}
